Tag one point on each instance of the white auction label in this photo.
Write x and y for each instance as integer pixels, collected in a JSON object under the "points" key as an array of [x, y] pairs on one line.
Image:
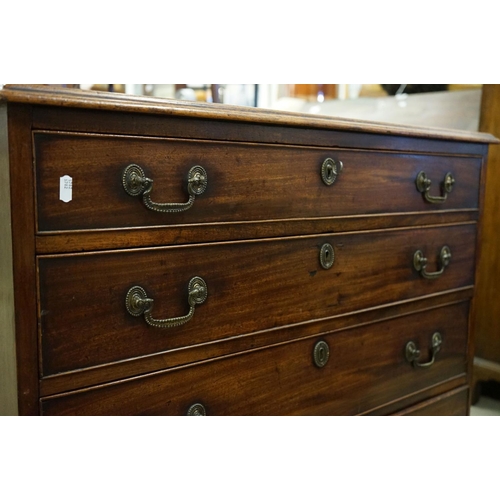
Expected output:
{"points": [[66, 188]]}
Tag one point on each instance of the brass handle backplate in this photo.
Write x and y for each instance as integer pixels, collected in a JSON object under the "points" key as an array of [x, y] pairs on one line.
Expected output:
{"points": [[412, 353], [330, 169], [137, 303], [135, 183], [420, 263], [197, 410], [424, 185]]}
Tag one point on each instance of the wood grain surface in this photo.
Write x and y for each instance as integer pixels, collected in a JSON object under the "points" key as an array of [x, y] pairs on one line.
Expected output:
{"points": [[22, 188], [252, 286], [450, 404]]}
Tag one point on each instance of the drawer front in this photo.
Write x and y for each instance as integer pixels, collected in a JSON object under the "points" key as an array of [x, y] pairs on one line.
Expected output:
{"points": [[366, 367], [244, 182], [451, 404], [251, 286]]}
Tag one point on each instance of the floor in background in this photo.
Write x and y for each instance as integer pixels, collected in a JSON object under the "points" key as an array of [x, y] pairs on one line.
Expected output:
{"points": [[486, 407]]}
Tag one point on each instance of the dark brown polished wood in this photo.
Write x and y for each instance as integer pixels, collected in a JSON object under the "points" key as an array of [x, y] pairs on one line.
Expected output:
{"points": [[254, 236], [367, 369], [238, 188], [453, 403], [252, 286]]}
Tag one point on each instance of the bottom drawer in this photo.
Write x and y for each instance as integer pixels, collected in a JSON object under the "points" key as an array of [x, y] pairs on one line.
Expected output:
{"points": [[453, 403], [363, 368]]}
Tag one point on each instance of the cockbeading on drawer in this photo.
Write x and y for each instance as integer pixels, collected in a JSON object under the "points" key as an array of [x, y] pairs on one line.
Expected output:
{"points": [[366, 368], [120, 182], [252, 286]]}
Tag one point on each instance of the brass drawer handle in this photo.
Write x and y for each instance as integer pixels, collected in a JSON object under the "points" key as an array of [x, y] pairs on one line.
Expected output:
{"points": [[197, 410], [330, 169], [424, 185], [135, 183], [412, 353], [420, 263], [137, 303]]}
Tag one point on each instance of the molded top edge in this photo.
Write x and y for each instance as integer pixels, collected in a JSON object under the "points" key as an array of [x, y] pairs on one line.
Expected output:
{"points": [[56, 96]]}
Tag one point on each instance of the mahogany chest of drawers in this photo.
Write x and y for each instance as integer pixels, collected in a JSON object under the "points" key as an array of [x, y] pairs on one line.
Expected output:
{"points": [[172, 258]]}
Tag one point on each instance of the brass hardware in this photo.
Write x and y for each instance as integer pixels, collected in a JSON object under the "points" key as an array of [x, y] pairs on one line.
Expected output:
{"points": [[135, 183], [321, 353], [412, 353], [137, 303], [326, 256], [420, 263], [330, 169], [197, 410], [424, 185]]}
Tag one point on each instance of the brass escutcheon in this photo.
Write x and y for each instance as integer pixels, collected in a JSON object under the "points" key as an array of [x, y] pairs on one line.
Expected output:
{"points": [[197, 410], [330, 169], [321, 353], [326, 256]]}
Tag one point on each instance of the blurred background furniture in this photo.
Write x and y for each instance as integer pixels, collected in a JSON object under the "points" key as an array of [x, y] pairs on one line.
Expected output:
{"points": [[487, 324]]}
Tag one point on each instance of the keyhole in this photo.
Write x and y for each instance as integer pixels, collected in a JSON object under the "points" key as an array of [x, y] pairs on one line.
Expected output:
{"points": [[321, 354], [326, 256]]}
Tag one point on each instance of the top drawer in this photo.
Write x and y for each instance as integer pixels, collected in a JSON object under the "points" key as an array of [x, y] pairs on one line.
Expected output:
{"points": [[244, 182]]}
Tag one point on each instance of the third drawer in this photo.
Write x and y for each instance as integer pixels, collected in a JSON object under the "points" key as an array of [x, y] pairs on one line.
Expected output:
{"points": [[359, 370]]}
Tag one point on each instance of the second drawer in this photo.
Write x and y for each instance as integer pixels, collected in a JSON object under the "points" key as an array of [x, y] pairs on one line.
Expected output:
{"points": [[247, 287]]}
